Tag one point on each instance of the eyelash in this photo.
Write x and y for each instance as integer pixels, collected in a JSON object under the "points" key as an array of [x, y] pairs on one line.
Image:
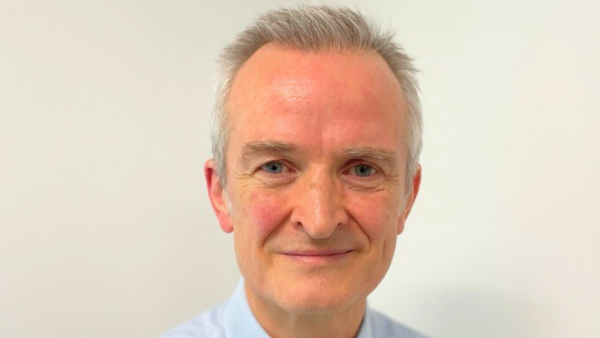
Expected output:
{"points": [[372, 169], [264, 166], [284, 166]]}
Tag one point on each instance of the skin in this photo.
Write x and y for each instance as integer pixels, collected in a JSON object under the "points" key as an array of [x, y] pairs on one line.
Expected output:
{"points": [[316, 167]]}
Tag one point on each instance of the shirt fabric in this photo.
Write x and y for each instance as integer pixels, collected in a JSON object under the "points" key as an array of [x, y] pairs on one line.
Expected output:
{"points": [[234, 319]]}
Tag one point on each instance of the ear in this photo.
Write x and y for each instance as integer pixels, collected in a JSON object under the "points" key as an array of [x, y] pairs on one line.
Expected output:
{"points": [[416, 184], [217, 197]]}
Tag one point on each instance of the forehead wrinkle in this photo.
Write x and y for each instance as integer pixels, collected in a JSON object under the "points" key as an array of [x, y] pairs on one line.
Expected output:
{"points": [[291, 89]]}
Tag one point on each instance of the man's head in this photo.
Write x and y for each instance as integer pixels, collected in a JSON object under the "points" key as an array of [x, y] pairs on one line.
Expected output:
{"points": [[315, 29], [316, 145]]}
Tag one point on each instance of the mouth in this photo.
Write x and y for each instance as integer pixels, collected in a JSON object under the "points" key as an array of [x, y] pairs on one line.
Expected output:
{"points": [[317, 256]]}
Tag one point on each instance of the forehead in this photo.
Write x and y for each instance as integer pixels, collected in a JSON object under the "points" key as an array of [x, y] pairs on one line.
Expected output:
{"points": [[340, 96]]}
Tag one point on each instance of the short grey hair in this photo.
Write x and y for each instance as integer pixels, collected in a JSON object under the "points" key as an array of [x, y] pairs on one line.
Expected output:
{"points": [[314, 28]]}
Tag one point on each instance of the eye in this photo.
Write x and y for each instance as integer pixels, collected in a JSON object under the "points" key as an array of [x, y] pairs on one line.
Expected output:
{"points": [[363, 170], [273, 167]]}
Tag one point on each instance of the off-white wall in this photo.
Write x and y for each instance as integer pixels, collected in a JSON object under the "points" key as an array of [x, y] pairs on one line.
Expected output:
{"points": [[106, 230]]}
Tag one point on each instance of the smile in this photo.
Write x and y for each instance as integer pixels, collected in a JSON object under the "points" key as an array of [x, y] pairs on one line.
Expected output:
{"points": [[317, 257]]}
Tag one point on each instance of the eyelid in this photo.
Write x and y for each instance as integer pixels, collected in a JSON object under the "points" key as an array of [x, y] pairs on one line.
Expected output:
{"points": [[372, 174], [356, 162], [286, 166], [289, 167]]}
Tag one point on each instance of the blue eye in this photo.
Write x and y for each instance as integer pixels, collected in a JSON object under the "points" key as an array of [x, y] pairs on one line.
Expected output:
{"points": [[363, 170], [274, 167]]}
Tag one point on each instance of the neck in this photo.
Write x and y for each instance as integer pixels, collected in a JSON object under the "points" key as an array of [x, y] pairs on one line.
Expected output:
{"points": [[280, 323]]}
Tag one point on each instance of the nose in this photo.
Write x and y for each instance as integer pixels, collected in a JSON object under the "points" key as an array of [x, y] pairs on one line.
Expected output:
{"points": [[318, 209]]}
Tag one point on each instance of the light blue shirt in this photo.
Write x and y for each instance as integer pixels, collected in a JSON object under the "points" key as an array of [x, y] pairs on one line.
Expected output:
{"points": [[234, 319]]}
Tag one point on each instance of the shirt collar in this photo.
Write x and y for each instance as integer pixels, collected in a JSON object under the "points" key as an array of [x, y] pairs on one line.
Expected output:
{"points": [[239, 321], [366, 327]]}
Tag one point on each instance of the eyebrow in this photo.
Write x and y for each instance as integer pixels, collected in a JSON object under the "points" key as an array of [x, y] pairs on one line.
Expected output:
{"points": [[376, 153], [384, 155], [261, 147]]}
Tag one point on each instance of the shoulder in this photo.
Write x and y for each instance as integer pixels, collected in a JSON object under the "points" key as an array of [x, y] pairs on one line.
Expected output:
{"points": [[208, 324], [384, 326]]}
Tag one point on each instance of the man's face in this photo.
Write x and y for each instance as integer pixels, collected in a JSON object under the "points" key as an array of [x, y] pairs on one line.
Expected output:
{"points": [[316, 170]]}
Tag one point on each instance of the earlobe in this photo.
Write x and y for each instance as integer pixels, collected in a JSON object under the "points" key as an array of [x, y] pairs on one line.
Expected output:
{"points": [[217, 196], [416, 184], [400, 225]]}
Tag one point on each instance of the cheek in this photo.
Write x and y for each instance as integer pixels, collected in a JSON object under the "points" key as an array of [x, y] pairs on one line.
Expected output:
{"points": [[265, 212], [376, 215]]}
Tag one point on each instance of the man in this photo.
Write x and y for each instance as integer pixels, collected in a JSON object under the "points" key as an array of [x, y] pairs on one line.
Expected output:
{"points": [[315, 170]]}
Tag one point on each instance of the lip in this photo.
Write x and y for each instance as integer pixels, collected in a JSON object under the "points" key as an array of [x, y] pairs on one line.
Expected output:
{"points": [[317, 256]]}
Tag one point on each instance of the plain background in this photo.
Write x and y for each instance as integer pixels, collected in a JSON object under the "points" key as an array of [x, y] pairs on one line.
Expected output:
{"points": [[105, 225]]}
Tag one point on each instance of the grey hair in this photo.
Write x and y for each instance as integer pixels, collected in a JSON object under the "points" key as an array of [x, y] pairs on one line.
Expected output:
{"points": [[314, 28]]}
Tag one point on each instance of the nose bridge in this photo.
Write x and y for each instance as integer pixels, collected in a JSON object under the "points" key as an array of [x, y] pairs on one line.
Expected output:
{"points": [[319, 209]]}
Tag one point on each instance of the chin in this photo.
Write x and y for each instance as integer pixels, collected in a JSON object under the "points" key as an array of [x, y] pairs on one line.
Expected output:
{"points": [[305, 299]]}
